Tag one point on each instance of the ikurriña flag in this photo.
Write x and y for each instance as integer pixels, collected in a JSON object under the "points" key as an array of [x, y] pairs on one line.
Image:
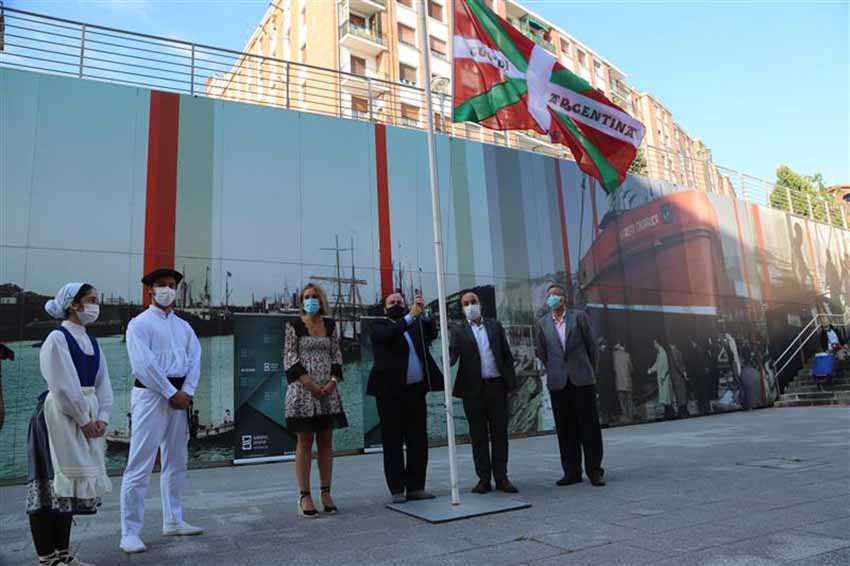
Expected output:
{"points": [[505, 81]]}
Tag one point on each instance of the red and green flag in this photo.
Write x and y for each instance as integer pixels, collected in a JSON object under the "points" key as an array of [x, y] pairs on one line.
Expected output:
{"points": [[505, 81]]}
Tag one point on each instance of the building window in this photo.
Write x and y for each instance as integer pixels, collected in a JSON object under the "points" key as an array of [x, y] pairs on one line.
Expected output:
{"points": [[565, 48], [359, 107], [582, 58], [358, 65], [407, 35], [435, 10], [407, 74], [597, 67], [408, 3], [357, 20], [438, 46], [409, 115]]}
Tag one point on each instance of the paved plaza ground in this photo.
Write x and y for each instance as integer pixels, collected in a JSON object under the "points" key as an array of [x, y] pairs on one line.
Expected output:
{"points": [[750, 488]]}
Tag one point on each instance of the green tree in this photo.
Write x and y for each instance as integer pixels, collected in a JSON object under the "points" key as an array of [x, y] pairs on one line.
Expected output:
{"points": [[800, 189], [639, 165]]}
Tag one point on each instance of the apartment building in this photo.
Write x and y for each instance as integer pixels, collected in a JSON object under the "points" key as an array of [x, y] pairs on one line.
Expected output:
{"points": [[365, 59]]}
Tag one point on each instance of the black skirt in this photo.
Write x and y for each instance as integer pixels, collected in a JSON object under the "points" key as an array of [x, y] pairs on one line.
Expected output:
{"points": [[318, 423], [40, 496]]}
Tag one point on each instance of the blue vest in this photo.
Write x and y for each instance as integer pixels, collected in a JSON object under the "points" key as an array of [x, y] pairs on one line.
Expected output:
{"points": [[86, 365]]}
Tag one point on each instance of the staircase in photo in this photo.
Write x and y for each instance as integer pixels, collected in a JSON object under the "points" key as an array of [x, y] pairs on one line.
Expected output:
{"points": [[806, 390]]}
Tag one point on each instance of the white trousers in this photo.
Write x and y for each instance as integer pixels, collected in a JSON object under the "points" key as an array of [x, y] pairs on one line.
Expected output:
{"points": [[155, 426]]}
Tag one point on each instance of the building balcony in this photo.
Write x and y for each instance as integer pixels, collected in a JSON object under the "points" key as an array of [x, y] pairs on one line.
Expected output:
{"points": [[361, 39], [362, 85], [368, 7]]}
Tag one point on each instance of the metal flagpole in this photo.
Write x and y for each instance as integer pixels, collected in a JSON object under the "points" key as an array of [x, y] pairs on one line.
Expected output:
{"points": [[438, 251]]}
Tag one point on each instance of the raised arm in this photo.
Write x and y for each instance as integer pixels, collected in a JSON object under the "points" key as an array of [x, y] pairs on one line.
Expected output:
{"points": [[386, 333]]}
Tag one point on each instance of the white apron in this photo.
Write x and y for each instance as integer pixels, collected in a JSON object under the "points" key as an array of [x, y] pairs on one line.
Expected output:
{"points": [[79, 463]]}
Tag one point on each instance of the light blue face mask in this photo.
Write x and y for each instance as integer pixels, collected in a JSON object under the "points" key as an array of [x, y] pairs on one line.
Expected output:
{"points": [[311, 306], [554, 301]]}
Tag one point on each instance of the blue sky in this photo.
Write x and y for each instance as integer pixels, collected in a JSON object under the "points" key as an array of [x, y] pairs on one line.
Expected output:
{"points": [[762, 83]]}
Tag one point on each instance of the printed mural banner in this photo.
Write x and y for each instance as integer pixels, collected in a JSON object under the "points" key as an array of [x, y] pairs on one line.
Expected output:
{"points": [[505, 81], [680, 283], [259, 387]]}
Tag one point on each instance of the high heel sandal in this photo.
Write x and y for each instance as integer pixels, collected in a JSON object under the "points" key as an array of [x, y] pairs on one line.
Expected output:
{"points": [[306, 513], [330, 509]]}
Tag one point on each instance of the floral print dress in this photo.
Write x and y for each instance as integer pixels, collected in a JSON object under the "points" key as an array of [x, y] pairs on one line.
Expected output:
{"points": [[319, 357]]}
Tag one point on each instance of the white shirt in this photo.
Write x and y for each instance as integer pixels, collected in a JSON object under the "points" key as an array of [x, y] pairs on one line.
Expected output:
{"points": [[561, 329], [832, 337], [58, 370], [489, 368], [163, 345]]}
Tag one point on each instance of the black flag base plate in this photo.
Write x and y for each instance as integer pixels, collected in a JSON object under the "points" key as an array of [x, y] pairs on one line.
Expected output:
{"points": [[441, 510]]}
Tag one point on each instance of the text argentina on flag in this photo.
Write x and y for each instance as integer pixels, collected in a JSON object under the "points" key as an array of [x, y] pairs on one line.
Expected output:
{"points": [[505, 81]]}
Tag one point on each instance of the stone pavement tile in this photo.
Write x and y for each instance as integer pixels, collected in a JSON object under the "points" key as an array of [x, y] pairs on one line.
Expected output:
{"points": [[679, 541], [612, 554], [835, 528], [502, 554], [788, 546], [771, 549], [577, 534], [835, 558]]}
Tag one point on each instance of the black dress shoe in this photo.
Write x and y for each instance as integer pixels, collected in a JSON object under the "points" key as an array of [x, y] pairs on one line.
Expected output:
{"points": [[596, 479], [568, 480], [483, 486], [506, 486]]}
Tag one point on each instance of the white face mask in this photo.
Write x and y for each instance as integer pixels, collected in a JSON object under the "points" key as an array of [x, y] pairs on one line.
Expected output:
{"points": [[164, 296], [89, 314], [472, 312]]}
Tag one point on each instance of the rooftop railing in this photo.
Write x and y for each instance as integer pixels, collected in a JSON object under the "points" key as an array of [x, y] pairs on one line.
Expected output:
{"points": [[37, 42]]}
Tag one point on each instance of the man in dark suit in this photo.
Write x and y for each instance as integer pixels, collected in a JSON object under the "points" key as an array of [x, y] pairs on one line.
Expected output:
{"points": [[484, 377], [564, 342], [402, 373]]}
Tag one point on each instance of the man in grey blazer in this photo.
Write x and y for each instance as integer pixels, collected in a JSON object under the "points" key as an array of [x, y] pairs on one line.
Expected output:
{"points": [[564, 342]]}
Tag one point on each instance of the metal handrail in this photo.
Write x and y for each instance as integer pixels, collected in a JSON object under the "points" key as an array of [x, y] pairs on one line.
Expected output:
{"points": [[73, 48], [843, 318]]}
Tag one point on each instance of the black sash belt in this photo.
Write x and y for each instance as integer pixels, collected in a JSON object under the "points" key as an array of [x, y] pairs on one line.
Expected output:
{"points": [[177, 382]]}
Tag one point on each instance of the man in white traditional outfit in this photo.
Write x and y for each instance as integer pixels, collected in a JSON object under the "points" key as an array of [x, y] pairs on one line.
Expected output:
{"points": [[165, 356]]}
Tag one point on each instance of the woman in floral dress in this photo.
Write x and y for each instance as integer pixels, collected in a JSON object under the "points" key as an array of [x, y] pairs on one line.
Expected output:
{"points": [[313, 365]]}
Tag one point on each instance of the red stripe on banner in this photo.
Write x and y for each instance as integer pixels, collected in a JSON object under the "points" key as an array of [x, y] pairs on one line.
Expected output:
{"points": [[767, 292], [384, 236], [565, 239], [593, 207], [161, 196]]}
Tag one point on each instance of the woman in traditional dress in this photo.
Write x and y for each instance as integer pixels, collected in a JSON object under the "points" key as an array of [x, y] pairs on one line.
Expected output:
{"points": [[661, 368], [313, 365], [66, 444]]}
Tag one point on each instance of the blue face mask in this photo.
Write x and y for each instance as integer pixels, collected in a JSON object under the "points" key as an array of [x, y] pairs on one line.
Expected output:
{"points": [[554, 301], [311, 306]]}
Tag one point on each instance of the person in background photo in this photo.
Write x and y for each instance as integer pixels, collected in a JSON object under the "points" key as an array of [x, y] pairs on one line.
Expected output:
{"points": [[165, 358], [661, 369], [565, 344], [623, 371], [313, 365], [403, 372], [65, 443], [484, 378], [679, 377]]}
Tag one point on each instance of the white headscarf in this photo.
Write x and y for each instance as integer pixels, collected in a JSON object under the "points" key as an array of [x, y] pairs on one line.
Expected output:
{"points": [[64, 297]]}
